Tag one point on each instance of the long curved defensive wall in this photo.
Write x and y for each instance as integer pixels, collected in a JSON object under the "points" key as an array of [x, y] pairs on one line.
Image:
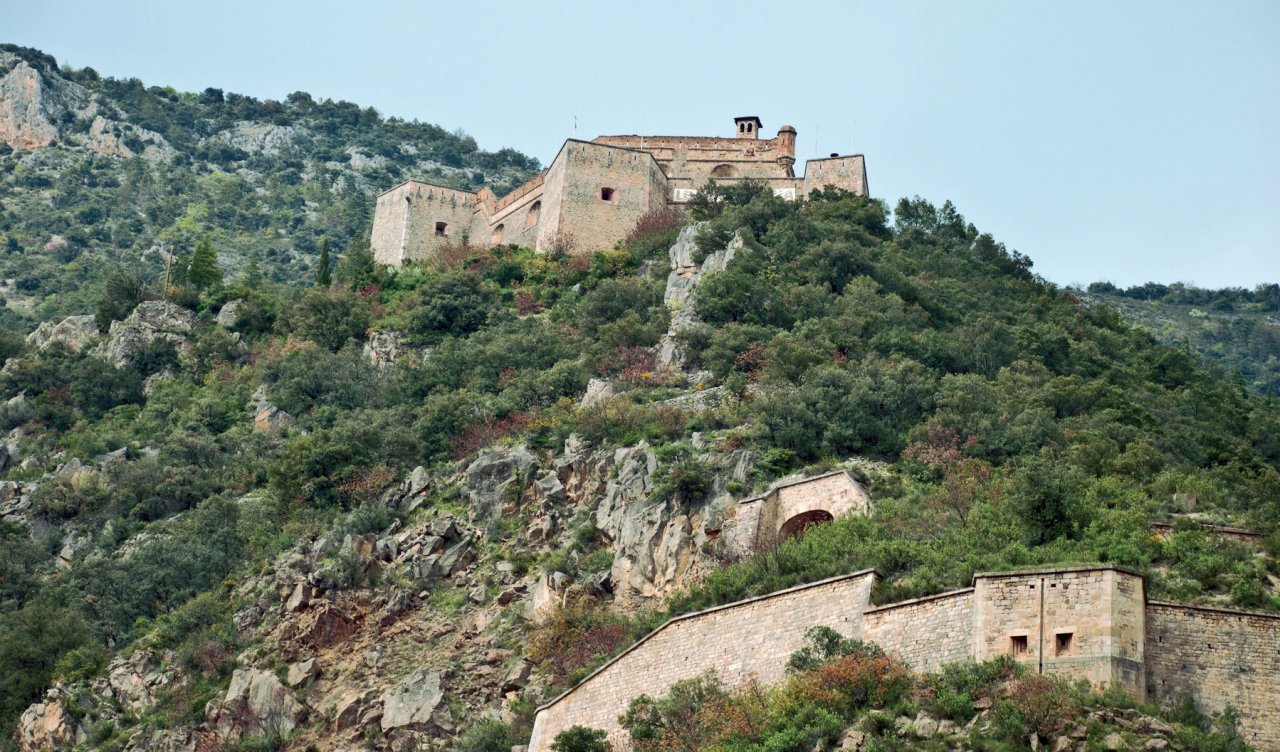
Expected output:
{"points": [[751, 638], [1092, 622]]}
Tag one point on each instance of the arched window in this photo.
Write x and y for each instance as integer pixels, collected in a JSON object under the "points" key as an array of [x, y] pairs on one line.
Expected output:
{"points": [[606, 194], [531, 218], [496, 237], [723, 171], [796, 525], [440, 229]]}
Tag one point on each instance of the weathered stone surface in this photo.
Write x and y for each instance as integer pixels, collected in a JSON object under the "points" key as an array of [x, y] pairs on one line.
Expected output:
{"points": [[226, 317], [76, 332], [151, 322], [255, 701], [299, 598], [417, 701], [31, 105], [598, 390], [350, 706], [1113, 741], [498, 477], [384, 347], [47, 725], [301, 671]]}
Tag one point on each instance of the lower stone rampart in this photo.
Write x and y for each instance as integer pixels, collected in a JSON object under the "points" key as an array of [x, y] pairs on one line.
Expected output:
{"points": [[1088, 622], [924, 633], [1219, 658], [752, 638]]}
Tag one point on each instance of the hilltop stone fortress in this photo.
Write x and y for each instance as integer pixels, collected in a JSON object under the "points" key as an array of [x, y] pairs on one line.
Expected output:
{"points": [[1091, 622], [594, 191]]}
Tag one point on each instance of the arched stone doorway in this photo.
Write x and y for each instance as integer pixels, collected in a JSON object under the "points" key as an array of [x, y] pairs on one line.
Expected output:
{"points": [[800, 522]]}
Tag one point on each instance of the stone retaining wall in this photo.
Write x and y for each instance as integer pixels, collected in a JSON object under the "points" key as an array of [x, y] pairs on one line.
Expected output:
{"points": [[751, 638], [1218, 657], [924, 633]]}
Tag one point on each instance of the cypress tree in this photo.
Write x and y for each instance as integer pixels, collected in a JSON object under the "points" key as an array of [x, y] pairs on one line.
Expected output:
{"points": [[204, 272], [324, 272]]}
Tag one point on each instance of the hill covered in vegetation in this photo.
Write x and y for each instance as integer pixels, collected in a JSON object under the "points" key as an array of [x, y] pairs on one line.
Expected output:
{"points": [[97, 172], [166, 479], [1236, 329], [280, 503]]}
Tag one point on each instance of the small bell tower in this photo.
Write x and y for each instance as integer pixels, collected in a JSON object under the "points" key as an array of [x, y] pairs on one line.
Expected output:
{"points": [[748, 126]]}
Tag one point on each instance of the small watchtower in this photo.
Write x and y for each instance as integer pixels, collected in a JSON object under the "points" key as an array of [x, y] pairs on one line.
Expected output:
{"points": [[748, 126]]}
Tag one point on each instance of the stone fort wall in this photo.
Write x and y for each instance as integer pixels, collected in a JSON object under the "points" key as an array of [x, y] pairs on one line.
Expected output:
{"points": [[752, 638], [925, 633], [1088, 622], [644, 172], [1218, 657]]}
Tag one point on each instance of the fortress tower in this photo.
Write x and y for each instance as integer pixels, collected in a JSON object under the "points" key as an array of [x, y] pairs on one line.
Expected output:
{"points": [[594, 191]]}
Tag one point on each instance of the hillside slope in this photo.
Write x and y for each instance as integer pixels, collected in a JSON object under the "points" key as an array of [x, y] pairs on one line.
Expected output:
{"points": [[97, 172], [1238, 330], [292, 518]]}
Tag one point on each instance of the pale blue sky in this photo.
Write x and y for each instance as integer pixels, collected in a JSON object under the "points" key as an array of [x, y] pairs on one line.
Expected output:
{"points": [[1126, 141]]}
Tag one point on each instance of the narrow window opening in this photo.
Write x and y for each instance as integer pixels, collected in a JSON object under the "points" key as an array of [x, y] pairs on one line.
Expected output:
{"points": [[742, 127], [606, 194], [1018, 645], [750, 126], [1063, 643], [440, 228], [531, 218]]}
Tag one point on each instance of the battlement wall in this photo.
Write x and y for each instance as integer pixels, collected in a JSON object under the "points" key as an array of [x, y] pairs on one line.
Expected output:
{"points": [[1220, 658], [751, 638], [924, 633]]}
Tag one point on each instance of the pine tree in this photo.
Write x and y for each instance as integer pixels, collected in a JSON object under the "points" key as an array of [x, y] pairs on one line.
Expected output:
{"points": [[252, 276], [204, 272], [324, 271]]}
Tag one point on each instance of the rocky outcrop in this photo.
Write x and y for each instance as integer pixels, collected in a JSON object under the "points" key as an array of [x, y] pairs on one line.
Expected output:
{"points": [[682, 283], [498, 478], [32, 105], [76, 332], [256, 702], [384, 347], [151, 322], [47, 725], [258, 138], [266, 416], [416, 702]]}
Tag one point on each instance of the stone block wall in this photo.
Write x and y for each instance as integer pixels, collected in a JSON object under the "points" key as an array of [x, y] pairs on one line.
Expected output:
{"points": [[924, 633], [849, 173], [1218, 657], [751, 638], [1086, 622], [637, 185]]}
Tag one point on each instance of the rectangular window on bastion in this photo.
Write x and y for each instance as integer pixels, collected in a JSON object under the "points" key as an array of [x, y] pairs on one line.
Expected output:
{"points": [[1018, 646]]}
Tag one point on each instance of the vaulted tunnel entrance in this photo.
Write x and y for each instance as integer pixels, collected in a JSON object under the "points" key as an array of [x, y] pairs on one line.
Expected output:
{"points": [[800, 522]]}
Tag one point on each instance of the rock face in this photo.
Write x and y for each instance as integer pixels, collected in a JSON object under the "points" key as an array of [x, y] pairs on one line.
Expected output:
{"points": [[258, 138], [384, 347], [30, 107], [682, 284], [416, 701], [151, 322], [47, 725], [76, 332], [498, 477], [256, 701]]}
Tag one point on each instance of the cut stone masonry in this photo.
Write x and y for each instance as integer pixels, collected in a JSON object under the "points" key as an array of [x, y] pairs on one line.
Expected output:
{"points": [[1091, 622], [594, 191]]}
